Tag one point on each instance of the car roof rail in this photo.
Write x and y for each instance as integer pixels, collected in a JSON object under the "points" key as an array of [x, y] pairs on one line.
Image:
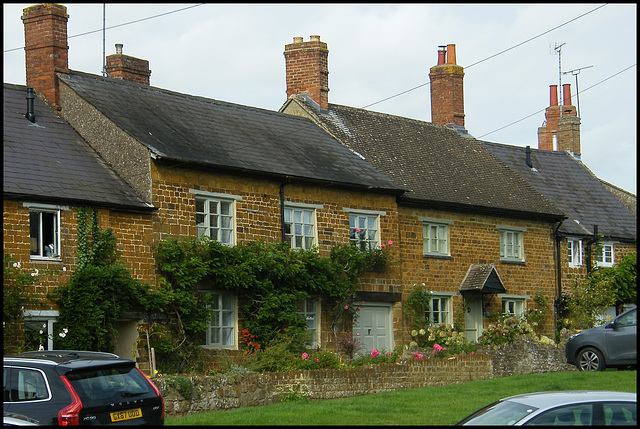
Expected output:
{"points": [[69, 354]]}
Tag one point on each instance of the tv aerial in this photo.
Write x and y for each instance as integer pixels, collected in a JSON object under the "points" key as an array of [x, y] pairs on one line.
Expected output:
{"points": [[556, 48], [576, 72]]}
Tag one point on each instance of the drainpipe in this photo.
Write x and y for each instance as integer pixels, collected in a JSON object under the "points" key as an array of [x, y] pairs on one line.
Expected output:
{"points": [[592, 240], [282, 185], [558, 260]]}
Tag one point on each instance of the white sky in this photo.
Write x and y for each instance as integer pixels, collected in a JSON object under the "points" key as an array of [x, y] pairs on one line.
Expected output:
{"points": [[234, 53]]}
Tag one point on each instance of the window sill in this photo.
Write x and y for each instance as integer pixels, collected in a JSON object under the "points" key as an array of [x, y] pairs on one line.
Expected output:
{"points": [[437, 256], [209, 347], [512, 262], [45, 259]]}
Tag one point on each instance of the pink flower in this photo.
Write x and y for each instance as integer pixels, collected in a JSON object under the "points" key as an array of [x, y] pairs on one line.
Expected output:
{"points": [[374, 353], [346, 307], [473, 353], [390, 242], [383, 246], [418, 355], [388, 353], [317, 360], [358, 308], [305, 356]]}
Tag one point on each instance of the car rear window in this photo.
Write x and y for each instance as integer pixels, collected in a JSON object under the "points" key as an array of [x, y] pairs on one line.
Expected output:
{"points": [[110, 384]]}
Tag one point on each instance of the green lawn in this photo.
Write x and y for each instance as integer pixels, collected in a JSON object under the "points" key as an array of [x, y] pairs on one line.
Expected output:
{"points": [[441, 405]]}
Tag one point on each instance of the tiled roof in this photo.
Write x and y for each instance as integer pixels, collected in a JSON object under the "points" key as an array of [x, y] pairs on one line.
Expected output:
{"points": [[49, 162], [225, 135], [435, 164], [573, 188], [482, 278]]}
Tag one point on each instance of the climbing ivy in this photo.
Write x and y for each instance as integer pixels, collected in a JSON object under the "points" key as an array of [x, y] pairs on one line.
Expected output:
{"points": [[269, 279], [100, 290]]}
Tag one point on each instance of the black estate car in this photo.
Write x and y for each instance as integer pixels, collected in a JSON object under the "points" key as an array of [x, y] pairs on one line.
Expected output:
{"points": [[64, 387], [611, 345]]}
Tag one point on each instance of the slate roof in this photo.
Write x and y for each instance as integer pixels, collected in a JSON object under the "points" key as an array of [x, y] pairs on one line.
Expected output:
{"points": [[573, 188], [49, 162], [435, 164], [225, 135]]}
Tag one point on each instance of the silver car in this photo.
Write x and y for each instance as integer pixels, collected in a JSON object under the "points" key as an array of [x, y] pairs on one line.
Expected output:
{"points": [[567, 408], [611, 345]]}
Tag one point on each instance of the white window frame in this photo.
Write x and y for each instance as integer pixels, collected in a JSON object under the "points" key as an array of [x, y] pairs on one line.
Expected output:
{"points": [[301, 233], [205, 228], [312, 317], [41, 248], [511, 250], [219, 324], [606, 257], [46, 318], [515, 302], [574, 248], [435, 237], [364, 228], [443, 300]]}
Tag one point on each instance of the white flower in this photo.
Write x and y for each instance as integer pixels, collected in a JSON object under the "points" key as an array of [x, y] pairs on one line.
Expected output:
{"points": [[16, 265], [64, 268], [41, 348], [65, 330], [62, 334], [41, 331]]}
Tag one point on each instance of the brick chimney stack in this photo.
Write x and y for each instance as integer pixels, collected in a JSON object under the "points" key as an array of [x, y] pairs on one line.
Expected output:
{"points": [[124, 67], [307, 69], [565, 127], [46, 48], [447, 97]]}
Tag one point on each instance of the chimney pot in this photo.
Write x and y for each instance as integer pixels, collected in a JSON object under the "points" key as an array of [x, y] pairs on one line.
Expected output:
{"points": [[553, 95], [315, 38], [442, 55], [119, 48], [297, 40], [451, 54], [566, 92]]}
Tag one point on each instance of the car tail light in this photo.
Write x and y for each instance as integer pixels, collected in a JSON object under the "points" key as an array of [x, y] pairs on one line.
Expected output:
{"points": [[70, 415], [155, 389]]}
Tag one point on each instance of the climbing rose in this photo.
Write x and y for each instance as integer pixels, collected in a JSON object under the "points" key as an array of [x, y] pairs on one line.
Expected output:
{"points": [[374, 353]]}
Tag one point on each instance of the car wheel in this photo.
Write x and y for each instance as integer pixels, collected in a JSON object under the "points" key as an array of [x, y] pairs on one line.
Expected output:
{"points": [[590, 359]]}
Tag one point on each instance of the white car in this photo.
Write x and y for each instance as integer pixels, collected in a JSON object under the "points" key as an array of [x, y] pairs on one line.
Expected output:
{"points": [[566, 408]]}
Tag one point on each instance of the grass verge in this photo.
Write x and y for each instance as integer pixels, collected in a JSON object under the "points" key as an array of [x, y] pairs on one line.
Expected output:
{"points": [[439, 405]]}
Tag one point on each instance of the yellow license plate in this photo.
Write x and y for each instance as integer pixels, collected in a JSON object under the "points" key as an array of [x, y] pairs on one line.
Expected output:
{"points": [[119, 416]]}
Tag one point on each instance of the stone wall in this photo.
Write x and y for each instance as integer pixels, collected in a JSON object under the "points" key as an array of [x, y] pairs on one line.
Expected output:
{"points": [[186, 395]]}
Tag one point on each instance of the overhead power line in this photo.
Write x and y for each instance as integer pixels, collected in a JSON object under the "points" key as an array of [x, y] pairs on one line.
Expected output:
{"points": [[539, 111], [495, 55], [122, 25]]}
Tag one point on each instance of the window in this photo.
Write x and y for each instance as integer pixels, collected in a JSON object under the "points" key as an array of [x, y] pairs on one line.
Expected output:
{"points": [[44, 231], [309, 310], [575, 253], [513, 306], [511, 248], [31, 385], [40, 329], [299, 226], [214, 218], [221, 331], [363, 231], [435, 237], [571, 415], [439, 311], [605, 258]]}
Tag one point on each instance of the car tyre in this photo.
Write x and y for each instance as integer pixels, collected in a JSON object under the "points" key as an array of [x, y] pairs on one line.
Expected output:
{"points": [[591, 359]]}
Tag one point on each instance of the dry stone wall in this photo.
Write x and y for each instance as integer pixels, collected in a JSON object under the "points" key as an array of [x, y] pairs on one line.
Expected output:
{"points": [[186, 395]]}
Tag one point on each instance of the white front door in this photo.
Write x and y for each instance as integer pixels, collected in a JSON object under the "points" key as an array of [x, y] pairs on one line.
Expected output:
{"points": [[473, 317], [373, 327]]}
